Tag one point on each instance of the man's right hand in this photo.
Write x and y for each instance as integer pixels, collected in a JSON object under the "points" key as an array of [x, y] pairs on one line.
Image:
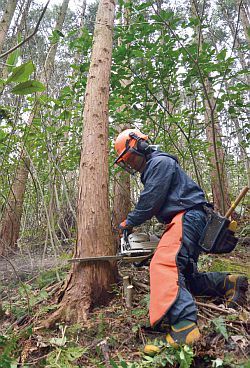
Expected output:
{"points": [[124, 226]]}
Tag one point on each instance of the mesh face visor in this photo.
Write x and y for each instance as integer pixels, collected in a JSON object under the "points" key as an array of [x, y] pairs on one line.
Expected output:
{"points": [[125, 166], [128, 159]]}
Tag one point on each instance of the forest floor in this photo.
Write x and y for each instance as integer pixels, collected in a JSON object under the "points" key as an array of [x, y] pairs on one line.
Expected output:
{"points": [[115, 335]]}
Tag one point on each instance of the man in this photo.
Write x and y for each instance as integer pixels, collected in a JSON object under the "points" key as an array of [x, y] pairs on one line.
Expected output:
{"points": [[176, 200]]}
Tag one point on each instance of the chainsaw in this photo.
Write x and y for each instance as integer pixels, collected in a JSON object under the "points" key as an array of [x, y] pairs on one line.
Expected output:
{"points": [[138, 248], [135, 248]]}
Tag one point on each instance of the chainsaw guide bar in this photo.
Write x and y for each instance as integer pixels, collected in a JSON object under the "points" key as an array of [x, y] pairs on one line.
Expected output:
{"points": [[134, 248], [111, 258]]}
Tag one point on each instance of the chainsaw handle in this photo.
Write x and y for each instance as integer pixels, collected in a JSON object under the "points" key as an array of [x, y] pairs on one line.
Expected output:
{"points": [[237, 201], [125, 234]]}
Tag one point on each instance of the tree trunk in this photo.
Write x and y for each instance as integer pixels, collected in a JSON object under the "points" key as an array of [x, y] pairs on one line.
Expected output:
{"points": [[6, 20], [10, 206], [14, 37], [11, 222], [50, 59], [244, 19], [121, 199], [235, 36], [219, 182], [243, 152], [90, 284]]}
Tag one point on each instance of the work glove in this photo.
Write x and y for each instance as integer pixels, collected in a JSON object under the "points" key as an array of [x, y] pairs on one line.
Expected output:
{"points": [[124, 227], [227, 243]]}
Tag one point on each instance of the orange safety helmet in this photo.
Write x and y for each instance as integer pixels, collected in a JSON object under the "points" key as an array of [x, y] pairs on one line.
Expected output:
{"points": [[125, 146]]}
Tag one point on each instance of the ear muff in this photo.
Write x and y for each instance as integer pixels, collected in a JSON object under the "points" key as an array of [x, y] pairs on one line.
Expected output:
{"points": [[142, 146]]}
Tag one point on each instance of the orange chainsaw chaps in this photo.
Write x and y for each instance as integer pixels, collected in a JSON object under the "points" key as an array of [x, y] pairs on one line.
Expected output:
{"points": [[164, 272]]}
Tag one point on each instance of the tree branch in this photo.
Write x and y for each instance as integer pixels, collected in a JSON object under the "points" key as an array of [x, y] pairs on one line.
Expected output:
{"points": [[28, 37]]}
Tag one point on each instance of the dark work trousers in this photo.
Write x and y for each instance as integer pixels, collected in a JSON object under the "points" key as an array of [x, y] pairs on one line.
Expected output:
{"points": [[190, 280]]}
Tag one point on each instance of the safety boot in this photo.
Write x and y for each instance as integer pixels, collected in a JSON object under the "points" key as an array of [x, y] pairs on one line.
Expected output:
{"points": [[183, 332], [235, 288]]}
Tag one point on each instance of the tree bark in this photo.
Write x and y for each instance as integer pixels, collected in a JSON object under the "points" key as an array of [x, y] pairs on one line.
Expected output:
{"points": [[90, 284], [50, 59], [11, 222], [121, 199], [235, 36], [6, 20], [244, 19], [244, 157], [219, 182]]}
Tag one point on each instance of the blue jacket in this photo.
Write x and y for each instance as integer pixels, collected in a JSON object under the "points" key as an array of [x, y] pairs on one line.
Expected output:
{"points": [[167, 190]]}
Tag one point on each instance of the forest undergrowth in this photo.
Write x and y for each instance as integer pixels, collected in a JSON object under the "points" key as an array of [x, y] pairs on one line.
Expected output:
{"points": [[114, 335]]}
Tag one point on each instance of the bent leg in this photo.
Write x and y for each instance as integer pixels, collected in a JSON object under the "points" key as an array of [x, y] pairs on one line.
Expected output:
{"points": [[207, 283], [184, 307], [164, 276]]}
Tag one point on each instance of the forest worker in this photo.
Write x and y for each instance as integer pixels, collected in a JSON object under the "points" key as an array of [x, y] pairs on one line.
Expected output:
{"points": [[176, 200]]}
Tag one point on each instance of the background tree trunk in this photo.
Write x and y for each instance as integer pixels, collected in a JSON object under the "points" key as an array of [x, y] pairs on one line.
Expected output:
{"points": [[244, 17], [50, 59], [90, 284], [21, 171], [219, 182], [11, 222], [6, 20]]}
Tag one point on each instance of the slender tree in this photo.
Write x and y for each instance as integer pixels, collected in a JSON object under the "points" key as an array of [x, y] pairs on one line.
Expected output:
{"points": [[6, 21], [90, 284], [219, 180], [245, 18], [11, 218], [11, 222]]}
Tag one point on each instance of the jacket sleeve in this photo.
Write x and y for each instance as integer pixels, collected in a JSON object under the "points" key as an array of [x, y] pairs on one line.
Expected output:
{"points": [[157, 181]]}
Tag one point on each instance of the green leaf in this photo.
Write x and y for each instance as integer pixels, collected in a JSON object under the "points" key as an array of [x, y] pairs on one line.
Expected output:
{"points": [[56, 34], [144, 6], [231, 110], [220, 326], [185, 357], [114, 365], [12, 59], [13, 364], [124, 364], [28, 87], [248, 31], [21, 73], [222, 55], [58, 341], [74, 352]]}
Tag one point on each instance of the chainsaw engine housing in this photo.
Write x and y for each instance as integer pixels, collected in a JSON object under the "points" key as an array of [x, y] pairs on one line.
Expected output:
{"points": [[138, 244]]}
